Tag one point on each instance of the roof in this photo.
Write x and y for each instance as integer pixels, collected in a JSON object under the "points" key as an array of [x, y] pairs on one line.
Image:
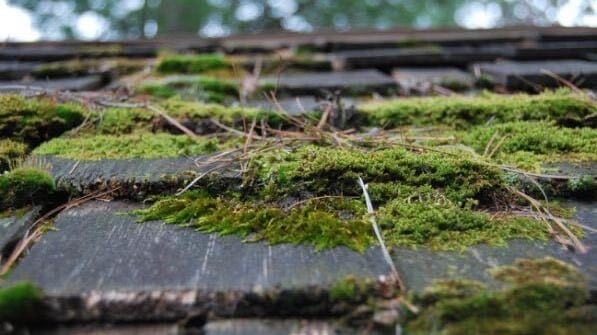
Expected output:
{"points": [[258, 141]]}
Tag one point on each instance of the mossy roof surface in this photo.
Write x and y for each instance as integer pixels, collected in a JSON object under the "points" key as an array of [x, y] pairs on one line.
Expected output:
{"points": [[137, 145]]}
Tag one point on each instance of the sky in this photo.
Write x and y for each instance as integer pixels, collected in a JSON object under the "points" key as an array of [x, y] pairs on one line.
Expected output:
{"points": [[17, 24]]}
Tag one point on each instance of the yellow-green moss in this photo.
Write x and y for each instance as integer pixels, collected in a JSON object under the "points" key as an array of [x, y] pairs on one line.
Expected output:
{"points": [[541, 296], [317, 223], [423, 199], [16, 213], [78, 67], [228, 114], [203, 88], [136, 145], [191, 63], [351, 289], [444, 226], [34, 120], [123, 120], [19, 302], [25, 186], [462, 112], [11, 153], [531, 144], [324, 171]]}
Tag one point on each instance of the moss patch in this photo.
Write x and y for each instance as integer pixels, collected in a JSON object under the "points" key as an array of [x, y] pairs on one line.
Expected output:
{"points": [[19, 302], [461, 112], [541, 296], [78, 67], [423, 200], [318, 223], [227, 114], [206, 89], [531, 144], [11, 153], [324, 171], [36, 120], [442, 225], [137, 145], [25, 186], [191, 63], [123, 120], [351, 289]]}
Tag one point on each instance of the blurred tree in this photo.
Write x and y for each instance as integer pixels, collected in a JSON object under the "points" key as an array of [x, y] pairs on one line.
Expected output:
{"points": [[140, 18]]}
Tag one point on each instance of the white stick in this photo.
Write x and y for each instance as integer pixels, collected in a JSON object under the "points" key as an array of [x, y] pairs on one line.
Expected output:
{"points": [[384, 250]]}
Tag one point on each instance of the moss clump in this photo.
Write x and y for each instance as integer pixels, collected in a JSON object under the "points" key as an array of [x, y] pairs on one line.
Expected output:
{"points": [[351, 289], [25, 186], [158, 90], [227, 114], [137, 145], [36, 120], [541, 296], [318, 223], [79, 67], [191, 63], [461, 112], [11, 152], [203, 88], [443, 225], [423, 200], [19, 302], [529, 144], [321, 171], [123, 120]]}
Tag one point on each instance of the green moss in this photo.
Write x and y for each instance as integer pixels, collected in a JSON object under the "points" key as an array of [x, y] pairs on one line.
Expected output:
{"points": [[136, 145], [203, 88], [158, 90], [324, 171], [321, 223], [350, 289], [35, 120], [529, 144], [16, 213], [445, 226], [191, 63], [541, 296], [423, 200], [19, 302], [485, 81], [11, 153], [79, 67], [461, 112], [228, 114], [123, 120], [25, 186]]}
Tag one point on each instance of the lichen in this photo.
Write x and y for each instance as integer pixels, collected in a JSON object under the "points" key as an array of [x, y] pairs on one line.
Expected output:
{"points": [[19, 302], [461, 112], [25, 186], [35, 120], [540, 296], [135, 145], [191, 63], [11, 153]]}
